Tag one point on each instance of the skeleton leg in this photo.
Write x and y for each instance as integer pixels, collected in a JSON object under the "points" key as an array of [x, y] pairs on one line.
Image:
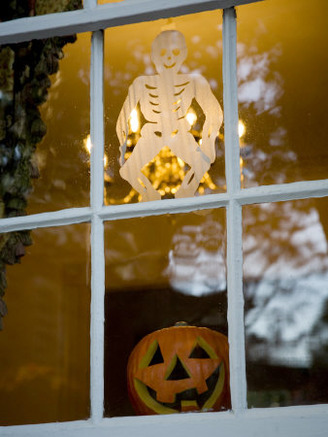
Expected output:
{"points": [[131, 169], [199, 163]]}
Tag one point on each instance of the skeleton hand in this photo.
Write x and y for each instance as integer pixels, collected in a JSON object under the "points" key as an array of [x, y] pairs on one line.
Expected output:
{"points": [[208, 141], [122, 153]]}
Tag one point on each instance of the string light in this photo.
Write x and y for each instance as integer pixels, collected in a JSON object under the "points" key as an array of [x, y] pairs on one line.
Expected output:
{"points": [[134, 121], [191, 117], [87, 144], [241, 129]]}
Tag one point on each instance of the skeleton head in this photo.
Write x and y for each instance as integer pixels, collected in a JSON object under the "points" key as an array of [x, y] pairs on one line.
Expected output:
{"points": [[169, 51]]}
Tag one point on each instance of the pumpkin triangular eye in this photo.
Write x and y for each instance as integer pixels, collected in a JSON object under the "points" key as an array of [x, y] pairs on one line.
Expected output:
{"points": [[199, 352], [157, 357]]}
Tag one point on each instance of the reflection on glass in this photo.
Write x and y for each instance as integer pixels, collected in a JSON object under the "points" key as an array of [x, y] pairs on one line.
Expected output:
{"points": [[286, 276], [44, 344], [19, 9], [135, 66], [282, 103], [159, 271], [44, 117], [61, 158]]}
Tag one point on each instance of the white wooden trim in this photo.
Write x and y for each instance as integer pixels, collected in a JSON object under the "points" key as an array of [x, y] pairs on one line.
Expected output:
{"points": [[46, 219], [97, 228], [236, 332], [97, 121], [247, 196], [165, 206], [283, 192], [97, 320], [103, 16], [230, 101], [309, 421]]}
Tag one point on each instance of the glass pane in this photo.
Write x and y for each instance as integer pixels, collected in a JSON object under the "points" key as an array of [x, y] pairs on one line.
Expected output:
{"points": [[44, 344], [169, 142], [44, 124], [286, 277], [159, 271], [283, 93], [27, 8]]}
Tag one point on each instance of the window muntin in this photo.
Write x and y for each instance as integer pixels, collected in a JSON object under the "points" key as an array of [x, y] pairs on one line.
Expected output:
{"points": [[282, 103], [44, 344]]}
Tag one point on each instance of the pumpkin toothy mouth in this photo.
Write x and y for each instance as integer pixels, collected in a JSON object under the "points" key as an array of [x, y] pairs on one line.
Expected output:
{"points": [[189, 397]]}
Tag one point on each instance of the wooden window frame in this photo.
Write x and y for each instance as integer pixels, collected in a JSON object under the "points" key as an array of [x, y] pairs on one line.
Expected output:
{"points": [[288, 421]]}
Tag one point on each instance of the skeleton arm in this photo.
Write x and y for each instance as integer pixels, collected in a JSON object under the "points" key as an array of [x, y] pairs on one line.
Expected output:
{"points": [[122, 124], [213, 115]]}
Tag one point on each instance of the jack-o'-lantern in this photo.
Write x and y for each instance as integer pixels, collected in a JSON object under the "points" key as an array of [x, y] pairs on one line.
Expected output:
{"points": [[178, 369]]}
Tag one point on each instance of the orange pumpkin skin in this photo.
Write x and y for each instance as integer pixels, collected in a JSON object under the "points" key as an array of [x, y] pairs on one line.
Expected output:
{"points": [[179, 369]]}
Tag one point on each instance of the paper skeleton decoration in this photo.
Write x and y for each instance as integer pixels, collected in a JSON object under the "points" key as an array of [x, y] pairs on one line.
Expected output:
{"points": [[164, 100]]}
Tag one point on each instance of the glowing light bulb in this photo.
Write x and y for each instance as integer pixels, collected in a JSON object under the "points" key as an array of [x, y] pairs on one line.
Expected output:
{"points": [[87, 144], [134, 121], [241, 129], [191, 118]]}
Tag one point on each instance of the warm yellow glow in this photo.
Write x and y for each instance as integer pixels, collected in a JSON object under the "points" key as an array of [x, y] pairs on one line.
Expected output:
{"points": [[87, 144], [134, 121], [191, 117], [241, 129], [105, 161]]}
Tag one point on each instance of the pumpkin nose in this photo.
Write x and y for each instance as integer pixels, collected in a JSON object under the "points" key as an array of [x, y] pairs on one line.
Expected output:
{"points": [[178, 370]]}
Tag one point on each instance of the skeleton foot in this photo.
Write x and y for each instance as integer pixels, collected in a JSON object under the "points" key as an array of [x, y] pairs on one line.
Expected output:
{"points": [[187, 190], [147, 195], [188, 186]]}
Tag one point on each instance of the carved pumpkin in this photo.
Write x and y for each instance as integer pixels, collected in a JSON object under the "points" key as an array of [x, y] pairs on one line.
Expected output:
{"points": [[178, 369]]}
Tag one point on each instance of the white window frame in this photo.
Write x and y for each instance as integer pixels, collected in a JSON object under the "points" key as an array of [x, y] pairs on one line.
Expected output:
{"points": [[287, 421]]}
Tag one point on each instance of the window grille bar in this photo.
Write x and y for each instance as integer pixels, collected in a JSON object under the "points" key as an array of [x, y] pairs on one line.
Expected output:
{"points": [[46, 219], [283, 192], [97, 229], [230, 102], [247, 196], [102, 16], [234, 216]]}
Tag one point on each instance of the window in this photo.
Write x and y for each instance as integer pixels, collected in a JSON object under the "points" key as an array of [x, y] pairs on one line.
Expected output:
{"points": [[237, 217]]}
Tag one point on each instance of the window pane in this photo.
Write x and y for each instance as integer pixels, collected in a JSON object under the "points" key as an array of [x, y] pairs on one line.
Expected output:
{"points": [[173, 97], [27, 8], [44, 344], [159, 271], [286, 277], [44, 124], [283, 94]]}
